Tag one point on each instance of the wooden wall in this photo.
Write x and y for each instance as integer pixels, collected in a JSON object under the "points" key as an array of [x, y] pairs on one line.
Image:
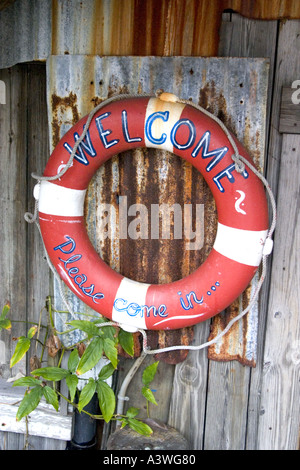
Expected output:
{"points": [[231, 406]]}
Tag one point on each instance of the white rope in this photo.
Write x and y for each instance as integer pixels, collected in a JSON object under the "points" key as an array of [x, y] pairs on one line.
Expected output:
{"points": [[240, 163]]}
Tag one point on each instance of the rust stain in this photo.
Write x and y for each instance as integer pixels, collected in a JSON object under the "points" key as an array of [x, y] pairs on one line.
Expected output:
{"points": [[229, 349], [165, 27], [215, 103], [150, 176], [61, 105], [163, 339]]}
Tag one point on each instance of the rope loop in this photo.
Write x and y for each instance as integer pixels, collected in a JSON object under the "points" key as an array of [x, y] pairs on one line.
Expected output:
{"points": [[239, 165]]}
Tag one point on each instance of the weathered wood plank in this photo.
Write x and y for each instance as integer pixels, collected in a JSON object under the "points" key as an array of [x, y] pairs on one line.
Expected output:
{"points": [[287, 70], [13, 177], [38, 273], [24, 148], [241, 37], [44, 421], [13, 124], [280, 407], [290, 110], [188, 401], [226, 413]]}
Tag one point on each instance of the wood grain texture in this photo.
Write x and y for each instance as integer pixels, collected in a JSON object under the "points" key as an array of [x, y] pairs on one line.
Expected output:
{"points": [[25, 280], [290, 111], [13, 201], [279, 415], [241, 37], [44, 421], [286, 70]]}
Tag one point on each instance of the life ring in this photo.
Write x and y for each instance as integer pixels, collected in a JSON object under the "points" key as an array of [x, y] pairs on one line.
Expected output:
{"points": [[162, 123]]}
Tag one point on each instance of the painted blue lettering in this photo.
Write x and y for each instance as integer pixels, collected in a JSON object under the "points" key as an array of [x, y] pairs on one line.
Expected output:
{"points": [[85, 147], [73, 271], [103, 133], [70, 260], [203, 144], [189, 300], [192, 134], [133, 309], [125, 129], [228, 174], [148, 127], [161, 310], [63, 245]]}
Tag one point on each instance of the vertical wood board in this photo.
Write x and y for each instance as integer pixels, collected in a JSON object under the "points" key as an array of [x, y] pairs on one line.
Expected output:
{"points": [[24, 273], [290, 109], [280, 405], [278, 426]]}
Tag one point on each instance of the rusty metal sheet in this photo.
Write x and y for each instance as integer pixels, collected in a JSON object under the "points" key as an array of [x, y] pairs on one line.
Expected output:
{"points": [[34, 29], [233, 89]]}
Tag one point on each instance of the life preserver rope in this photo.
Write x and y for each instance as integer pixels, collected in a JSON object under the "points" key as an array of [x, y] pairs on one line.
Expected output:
{"points": [[243, 237]]}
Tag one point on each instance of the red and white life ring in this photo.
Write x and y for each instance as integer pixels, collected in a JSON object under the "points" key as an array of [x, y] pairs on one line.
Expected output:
{"points": [[184, 130]]}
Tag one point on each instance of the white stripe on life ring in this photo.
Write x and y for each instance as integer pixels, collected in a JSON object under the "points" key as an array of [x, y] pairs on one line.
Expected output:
{"points": [[159, 126], [243, 246], [57, 200], [134, 293]]}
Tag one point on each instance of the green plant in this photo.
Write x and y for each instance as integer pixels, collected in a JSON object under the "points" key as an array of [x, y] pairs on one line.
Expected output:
{"points": [[101, 339], [147, 378], [5, 322]]}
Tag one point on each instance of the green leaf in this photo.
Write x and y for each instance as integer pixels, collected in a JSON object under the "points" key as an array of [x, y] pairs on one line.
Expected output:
{"points": [[149, 373], [107, 400], [26, 382], [106, 371], [140, 427], [91, 355], [73, 360], [84, 325], [51, 373], [111, 351], [107, 331], [148, 395], [21, 349], [72, 382], [126, 341], [50, 396], [86, 394], [5, 323], [132, 412], [124, 423], [32, 332], [5, 311], [29, 402]]}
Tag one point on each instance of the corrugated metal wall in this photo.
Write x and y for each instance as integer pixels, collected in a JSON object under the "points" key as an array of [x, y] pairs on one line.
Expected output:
{"points": [[123, 27]]}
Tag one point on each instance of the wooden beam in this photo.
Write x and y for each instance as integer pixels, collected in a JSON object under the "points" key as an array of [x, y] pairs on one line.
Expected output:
{"points": [[289, 122], [44, 421]]}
